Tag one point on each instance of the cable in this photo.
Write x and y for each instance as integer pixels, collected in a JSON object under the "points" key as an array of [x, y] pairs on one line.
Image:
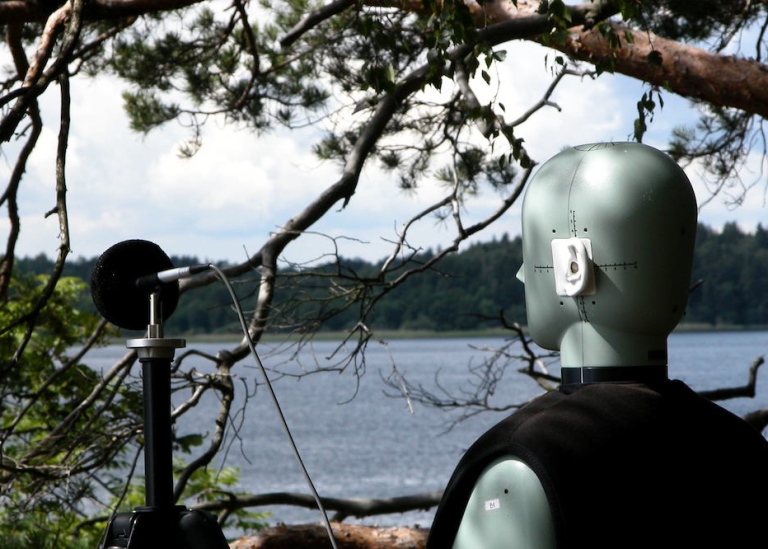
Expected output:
{"points": [[273, 396]]}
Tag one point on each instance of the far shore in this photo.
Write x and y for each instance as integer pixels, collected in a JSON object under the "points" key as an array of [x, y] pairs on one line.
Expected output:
{"points": [[432, 334]]}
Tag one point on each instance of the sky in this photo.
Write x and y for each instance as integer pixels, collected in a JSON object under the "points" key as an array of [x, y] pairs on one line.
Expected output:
{"points": [[222, 204]]}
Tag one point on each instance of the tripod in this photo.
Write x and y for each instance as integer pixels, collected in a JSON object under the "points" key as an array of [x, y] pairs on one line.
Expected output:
{"points": [[160, 524]]}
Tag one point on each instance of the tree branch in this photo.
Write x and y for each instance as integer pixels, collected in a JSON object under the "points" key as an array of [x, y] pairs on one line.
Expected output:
{"points": [[726, 81], [22, 11], [36, 80], [352, 507], [747, 390], [313, 19], [226, 391]]}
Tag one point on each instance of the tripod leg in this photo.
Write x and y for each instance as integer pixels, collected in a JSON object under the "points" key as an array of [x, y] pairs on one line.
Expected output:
{"points": [[201, 530], [118, 532], [149, 529], [145, 528]]}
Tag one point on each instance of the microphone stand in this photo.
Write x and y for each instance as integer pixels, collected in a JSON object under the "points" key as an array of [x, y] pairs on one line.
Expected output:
{"points": [[160, 524]]}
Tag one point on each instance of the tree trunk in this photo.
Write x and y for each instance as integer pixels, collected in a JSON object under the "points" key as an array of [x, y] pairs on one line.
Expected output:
{"points": [[347, 536]]}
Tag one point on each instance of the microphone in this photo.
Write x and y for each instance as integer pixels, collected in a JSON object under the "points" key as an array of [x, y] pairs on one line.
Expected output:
{"points": [[170, 275], [114, 284]]}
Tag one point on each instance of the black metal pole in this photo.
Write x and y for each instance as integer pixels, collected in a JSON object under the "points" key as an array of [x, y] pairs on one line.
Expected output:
{"points": [[158, 451], [156, 354]]}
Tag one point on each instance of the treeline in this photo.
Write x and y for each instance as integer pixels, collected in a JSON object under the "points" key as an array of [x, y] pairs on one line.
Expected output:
{"points": [[732, 269], [471, 290]]}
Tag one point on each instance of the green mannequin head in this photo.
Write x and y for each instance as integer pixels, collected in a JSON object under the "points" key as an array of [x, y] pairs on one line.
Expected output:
{"points": [[608, 236]]}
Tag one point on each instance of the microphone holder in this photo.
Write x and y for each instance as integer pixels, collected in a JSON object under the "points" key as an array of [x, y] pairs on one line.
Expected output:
{"points": [[160, 524]]}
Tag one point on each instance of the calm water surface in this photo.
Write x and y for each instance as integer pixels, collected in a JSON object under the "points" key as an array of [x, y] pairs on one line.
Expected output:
{"points": [[359, 442]]}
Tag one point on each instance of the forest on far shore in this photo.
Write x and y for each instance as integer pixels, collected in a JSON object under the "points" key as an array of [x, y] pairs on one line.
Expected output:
{"points": [[473, 289]]}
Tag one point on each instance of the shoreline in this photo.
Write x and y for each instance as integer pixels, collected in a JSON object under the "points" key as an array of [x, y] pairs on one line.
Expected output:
{"points": [[452, 334]]}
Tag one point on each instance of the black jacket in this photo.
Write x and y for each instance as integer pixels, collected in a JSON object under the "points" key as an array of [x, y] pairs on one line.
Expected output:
{"points": [[629, 465]]}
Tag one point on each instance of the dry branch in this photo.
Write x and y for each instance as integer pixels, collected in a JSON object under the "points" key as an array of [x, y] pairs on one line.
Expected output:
{"points": [[745, 391], [352, 507]]}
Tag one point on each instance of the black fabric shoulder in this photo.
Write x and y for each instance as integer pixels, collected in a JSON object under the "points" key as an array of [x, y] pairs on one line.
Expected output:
{"points": [[660, 462]]}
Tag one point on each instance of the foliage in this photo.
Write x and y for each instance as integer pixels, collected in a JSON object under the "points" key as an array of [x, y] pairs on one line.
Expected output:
{"points": [[71, 433], [43, 480]]}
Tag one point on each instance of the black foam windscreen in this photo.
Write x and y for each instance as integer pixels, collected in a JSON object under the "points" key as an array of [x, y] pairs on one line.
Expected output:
{"points": [[113, 283]]}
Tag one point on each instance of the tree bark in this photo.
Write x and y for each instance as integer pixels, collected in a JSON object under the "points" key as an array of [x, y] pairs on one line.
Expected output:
{"points": [[724, 81], [347, 536], [721, 80]]}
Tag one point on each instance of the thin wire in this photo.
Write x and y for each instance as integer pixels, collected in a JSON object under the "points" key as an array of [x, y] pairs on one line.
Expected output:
{"points": [[278, 408]]}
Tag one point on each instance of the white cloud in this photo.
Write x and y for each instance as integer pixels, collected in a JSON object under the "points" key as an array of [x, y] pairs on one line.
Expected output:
{"points": [[240, 187]]}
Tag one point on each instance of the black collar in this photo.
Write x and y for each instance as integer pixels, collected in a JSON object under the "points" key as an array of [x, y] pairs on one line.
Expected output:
{"points": [[615, 374]]}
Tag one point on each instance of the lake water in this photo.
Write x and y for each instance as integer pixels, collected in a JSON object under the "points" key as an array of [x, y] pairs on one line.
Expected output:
{"points": [[358, 442]]}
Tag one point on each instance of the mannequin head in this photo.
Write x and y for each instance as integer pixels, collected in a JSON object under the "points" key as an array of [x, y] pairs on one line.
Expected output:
{"points": [[608, 236]]}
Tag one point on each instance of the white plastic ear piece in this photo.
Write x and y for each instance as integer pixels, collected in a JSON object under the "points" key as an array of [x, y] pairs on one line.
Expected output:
{"points": [[573, 267]]}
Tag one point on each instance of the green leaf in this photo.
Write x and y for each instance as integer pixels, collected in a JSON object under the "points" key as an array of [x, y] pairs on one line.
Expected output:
{"points": [[187, 442], [655, 58]]}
